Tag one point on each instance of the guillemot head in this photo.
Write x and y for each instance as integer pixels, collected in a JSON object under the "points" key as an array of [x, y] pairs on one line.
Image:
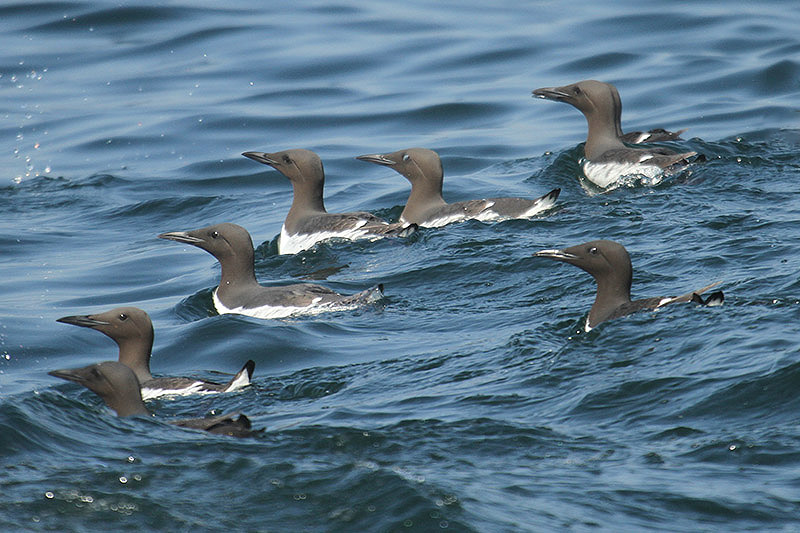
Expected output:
{"points": [[132, 330], [114, 382], [121, 324], [604, 260], [589, 95], [299, 165], [415, 164], [220, 240]]}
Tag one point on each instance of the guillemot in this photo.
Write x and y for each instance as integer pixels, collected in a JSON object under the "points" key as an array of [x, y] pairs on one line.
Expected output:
{"points": [[132, 330], [307, 222], [117, 385], [426, 206], [610, 265], [239, 292], [607, 159]]}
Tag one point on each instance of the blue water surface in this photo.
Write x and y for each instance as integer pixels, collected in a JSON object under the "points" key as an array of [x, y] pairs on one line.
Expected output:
{"points": [[470, 399]]}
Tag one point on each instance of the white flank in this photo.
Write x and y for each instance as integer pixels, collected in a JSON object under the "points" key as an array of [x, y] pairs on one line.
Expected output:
{"points": [[665, 301], [606, 174], [292, 244], [276, 311], [486, 215], [439, 222], [539, 207], [242, 381], [194, 388]]}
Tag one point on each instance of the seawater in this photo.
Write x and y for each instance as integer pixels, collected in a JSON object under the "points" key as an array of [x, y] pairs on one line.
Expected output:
{"points": [[469, 400]]}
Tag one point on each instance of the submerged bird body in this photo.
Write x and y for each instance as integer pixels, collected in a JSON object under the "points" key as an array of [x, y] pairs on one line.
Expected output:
{"points": [[238, 291], [132, 330], [426, 206], [609, 264], [607, 158], [307, 222], [117, 385]]}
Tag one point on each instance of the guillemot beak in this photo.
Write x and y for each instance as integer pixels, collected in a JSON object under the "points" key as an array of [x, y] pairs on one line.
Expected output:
{"points": [[261, 157], [558, 255], [378, 159], [76, 375], [85, 321], [180, 236], [551, 93]]}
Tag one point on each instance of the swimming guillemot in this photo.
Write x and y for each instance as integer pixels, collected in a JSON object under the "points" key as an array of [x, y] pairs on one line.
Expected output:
{"points": [[239, 292], [307, 222], [426, 206], [610, 265], [117, 385], [132, 330], [607, 159]]}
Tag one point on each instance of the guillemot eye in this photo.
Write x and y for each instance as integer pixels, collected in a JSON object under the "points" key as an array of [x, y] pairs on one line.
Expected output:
{"points": [[214, 234], [406, 157], [593, 250], [577, 90], [123, 317], [287, 159]]}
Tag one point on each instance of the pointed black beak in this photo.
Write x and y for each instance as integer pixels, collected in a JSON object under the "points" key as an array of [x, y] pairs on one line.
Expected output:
{"points": [[85, 321], [180, 236], [551, 93], [261, 157], [378, 159]]}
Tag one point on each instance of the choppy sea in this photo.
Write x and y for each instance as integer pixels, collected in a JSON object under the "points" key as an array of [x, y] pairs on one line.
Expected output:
{"points": [[469, 399]]}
